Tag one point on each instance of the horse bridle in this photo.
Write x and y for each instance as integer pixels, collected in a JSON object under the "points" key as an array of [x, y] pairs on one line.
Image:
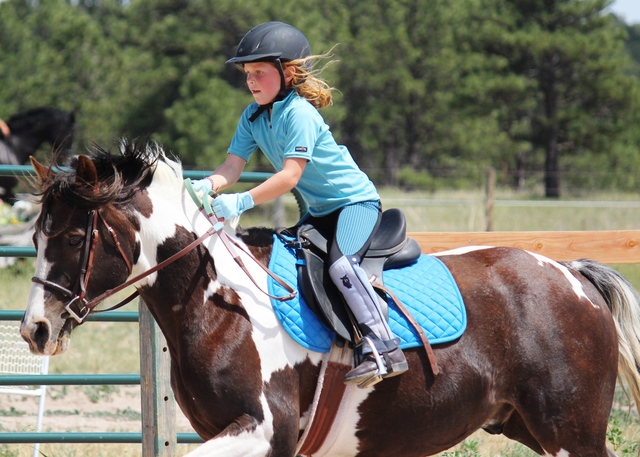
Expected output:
{"points": [[79, 307]]}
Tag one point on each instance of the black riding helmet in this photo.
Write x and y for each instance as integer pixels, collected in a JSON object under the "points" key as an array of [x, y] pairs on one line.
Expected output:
{"points": [[275, 42], [271, 42]]}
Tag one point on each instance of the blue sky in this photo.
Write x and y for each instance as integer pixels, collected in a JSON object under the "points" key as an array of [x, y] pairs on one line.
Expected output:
{"points": [[629, 10]]}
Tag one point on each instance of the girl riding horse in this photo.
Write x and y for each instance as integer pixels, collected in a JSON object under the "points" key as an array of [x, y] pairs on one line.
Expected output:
{"points": [[343, 202]]}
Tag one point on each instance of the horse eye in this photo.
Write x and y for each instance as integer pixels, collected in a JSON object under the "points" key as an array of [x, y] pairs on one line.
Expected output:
{"points": [[75, 240]]}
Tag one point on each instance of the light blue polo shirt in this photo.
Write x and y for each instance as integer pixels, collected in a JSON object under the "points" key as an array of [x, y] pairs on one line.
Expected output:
{"points": [[331, 178]]}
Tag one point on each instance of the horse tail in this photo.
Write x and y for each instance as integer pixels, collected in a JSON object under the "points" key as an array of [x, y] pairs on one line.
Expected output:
{"points": [[624, 302]]}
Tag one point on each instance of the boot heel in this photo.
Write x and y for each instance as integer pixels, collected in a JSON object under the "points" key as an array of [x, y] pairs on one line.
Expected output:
{"points": [[396, 362]]}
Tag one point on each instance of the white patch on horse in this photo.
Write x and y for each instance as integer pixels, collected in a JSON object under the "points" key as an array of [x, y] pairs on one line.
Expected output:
{"points": [[342, 440], [158, 227], [561, 453], [35, 309], [461, 250], [575, 284], [276, 348]]}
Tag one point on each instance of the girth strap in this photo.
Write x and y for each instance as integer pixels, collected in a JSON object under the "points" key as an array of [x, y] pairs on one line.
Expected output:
{"points": [[331, 393]]}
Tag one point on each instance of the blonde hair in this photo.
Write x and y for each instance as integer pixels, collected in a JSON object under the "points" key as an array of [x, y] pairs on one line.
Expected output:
{"points": [[307, 82]]}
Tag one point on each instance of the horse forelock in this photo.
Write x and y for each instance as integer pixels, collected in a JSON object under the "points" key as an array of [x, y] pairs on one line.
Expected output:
{"points": [[121, 176]]}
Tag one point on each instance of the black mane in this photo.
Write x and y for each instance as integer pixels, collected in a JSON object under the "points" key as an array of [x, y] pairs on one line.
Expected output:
{"points": [[120, 176]]}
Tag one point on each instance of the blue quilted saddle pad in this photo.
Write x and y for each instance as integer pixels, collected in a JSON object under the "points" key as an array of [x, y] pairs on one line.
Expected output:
{"points": [[426, 288]]}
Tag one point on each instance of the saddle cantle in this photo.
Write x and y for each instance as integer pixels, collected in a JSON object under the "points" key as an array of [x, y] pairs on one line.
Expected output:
{"points": [[390, 248]]}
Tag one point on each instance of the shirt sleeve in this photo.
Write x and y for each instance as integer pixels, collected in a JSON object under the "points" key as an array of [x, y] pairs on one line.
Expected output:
{"points": [[243, 143]]}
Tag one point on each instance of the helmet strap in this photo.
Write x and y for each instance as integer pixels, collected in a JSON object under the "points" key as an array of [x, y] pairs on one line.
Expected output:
{"points": [[284, 91]]}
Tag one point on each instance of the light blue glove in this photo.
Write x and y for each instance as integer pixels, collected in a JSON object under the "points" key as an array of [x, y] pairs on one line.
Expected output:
{"points": [[228, 206], [203, 186]]}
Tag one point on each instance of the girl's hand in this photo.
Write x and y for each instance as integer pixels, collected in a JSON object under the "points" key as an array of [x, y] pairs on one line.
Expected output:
{"points": [[228, 206], [202, 185]]}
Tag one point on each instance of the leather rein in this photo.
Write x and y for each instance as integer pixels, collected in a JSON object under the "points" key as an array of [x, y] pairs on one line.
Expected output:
{"points": [[79, 307]]}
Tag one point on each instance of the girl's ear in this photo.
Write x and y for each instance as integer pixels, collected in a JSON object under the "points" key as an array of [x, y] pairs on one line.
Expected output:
{"points": [[288, 72]]}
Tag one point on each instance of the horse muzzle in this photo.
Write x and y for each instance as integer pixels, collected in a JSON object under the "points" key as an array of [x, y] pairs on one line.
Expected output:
{"points": [[44, 338]]}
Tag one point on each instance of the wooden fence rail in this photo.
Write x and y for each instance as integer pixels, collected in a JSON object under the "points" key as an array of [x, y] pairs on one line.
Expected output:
{"points": [[606, 246]]}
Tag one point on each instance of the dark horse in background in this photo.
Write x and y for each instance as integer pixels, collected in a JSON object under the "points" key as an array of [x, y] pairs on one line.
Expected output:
{"points": [[29, 129]]}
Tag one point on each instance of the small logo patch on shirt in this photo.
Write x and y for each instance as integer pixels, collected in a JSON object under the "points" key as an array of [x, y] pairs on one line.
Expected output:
{"points": [[301, 149]]}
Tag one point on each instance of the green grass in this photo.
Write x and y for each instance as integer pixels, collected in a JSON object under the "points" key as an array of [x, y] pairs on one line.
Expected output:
{"points": [[465, 211], [113, 347], [87, 353]]}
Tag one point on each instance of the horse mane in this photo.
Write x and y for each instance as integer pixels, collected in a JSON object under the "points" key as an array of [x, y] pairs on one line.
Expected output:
{"points": [[120, 176]]}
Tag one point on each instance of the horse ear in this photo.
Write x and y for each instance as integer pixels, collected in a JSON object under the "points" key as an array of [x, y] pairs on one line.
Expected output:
{"points": [[86, 172], [43, 172]]}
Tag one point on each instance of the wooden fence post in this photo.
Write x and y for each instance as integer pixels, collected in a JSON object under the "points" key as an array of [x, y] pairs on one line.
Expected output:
{"points": [[489, 198], [159, 437]]}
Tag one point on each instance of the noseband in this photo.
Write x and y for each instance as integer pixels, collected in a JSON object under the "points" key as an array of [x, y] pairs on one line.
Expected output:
{"points": [[78, 307]]}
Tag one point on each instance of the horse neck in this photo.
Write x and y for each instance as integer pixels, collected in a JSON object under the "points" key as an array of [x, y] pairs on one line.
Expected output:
{"points": [[176, 217], [173, 211], [183, 305]]}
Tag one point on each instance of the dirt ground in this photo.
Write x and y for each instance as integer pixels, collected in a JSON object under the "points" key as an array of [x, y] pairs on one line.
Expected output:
{"points": [[79, 409], [117, 409]]}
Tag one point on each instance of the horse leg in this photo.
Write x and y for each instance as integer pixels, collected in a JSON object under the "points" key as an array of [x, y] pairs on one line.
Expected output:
{"points": [[243, 438], [576, 427], [273, 431], [517, 430]]}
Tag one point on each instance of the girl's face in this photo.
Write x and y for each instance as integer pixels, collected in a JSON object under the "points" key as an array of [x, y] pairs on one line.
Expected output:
{"points": [[263, 80]]}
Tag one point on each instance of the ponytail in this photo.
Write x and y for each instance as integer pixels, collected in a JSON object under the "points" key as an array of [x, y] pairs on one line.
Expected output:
{"points": [[307, 82]]}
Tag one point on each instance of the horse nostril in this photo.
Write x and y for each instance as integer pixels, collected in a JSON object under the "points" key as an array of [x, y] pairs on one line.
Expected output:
{"points": [[41, 333], [37, 335]]}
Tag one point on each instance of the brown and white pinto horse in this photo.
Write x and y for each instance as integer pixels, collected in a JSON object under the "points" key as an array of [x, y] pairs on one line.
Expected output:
{"points": [[537, 363]]}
